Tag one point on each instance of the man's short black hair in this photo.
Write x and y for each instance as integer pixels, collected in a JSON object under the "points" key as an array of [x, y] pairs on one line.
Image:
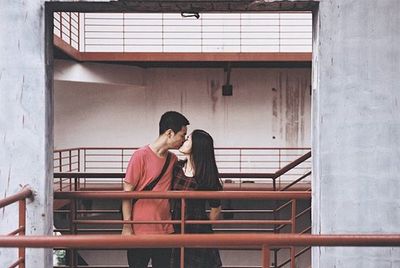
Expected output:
{"points": [[172, 120]]}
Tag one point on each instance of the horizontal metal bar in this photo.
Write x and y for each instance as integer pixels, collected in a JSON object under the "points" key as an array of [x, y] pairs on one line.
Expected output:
{"points": [[186, 222], [249, 195], [122, 174], [24, 193], [200, 240]]}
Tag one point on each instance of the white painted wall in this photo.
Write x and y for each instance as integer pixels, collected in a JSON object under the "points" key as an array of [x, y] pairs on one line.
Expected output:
{"points": [[269, 107]]}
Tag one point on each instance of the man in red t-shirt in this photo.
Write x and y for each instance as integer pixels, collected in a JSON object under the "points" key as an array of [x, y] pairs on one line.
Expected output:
{"points": [[145, 166]]}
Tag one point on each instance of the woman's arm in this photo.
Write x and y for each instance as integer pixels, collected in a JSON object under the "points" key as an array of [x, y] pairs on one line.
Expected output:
{"points": [[214, 213]]}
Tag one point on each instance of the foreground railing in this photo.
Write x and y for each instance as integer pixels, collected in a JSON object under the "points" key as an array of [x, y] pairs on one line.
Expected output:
{"points": [[77, 217], [72, 181], [263, 242], [20, 231]]}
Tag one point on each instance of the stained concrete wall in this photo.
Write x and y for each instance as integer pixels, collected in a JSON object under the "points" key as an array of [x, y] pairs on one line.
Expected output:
{"points": [[356, 128], [269, 107], [25, 124]]}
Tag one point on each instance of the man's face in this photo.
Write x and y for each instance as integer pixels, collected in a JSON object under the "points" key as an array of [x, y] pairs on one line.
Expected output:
{"points": [[178, 138]]}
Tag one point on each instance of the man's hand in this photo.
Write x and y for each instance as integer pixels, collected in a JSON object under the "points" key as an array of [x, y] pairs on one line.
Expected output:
{"points": [[127, 229]]}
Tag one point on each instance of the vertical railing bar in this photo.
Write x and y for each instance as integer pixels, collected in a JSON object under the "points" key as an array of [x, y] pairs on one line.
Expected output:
{"points": [[22, 223], [240, 160], [79, 160], [293, 231], [280, 165], [72, 227], [265, 256], [122, 160], [70, 160], [182, 250], [60, 161], [84, 160]]}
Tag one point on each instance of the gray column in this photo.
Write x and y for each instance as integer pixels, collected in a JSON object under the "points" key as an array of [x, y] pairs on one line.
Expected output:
{"points": [[356, 128], [26, 125]]}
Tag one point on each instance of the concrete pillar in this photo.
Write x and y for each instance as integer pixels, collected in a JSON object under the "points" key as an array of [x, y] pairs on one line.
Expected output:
{"points": [[356, 128], [26, 125]]}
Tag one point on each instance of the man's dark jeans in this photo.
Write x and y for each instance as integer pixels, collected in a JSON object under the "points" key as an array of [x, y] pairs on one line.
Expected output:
{"points": [[140, 257]]}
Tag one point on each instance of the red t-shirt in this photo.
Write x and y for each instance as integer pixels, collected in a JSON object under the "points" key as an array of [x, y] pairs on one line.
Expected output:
{"points": [[144, 167]]}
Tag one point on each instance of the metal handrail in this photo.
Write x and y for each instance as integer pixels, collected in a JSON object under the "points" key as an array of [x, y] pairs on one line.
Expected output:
{"points": [[183, 195], [19, 197], [201, 240], [231, 160], [263, 241], [253, 195], [292, 165]]}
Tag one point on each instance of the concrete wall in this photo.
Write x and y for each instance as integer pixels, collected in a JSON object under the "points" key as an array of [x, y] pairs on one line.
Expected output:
{"points": [[356, 128], [114, 105], [25, 124]]}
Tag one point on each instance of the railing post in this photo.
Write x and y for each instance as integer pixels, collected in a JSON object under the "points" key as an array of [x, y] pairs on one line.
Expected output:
{"points": [[280, 165], [265, 256], [72, 227], [84, 160], [122, 160], [293, 231], [276, 217], [79, 159], [22, 223], [60, 161], [70, 160], [240, 160], [183, 209]]}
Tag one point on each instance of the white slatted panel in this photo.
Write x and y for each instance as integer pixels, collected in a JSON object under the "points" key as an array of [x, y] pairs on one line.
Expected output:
{"points": [[213, 32]]}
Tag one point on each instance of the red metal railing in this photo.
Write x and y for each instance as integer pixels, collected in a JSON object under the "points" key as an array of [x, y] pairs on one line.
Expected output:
{"points": [[75, 221], [263, 242], [284, 166], [19, 197], [91, 181], [229, 159]]}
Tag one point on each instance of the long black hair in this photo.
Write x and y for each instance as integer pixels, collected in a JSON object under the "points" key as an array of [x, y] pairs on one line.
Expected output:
{"points": [[203, 158]]}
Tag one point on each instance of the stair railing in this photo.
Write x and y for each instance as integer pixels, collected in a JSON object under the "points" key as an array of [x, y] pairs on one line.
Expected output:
{"points": [[19, 197]]}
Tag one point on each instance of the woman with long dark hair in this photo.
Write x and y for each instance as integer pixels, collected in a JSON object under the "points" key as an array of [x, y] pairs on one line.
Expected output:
{"points": [[198, 172]]}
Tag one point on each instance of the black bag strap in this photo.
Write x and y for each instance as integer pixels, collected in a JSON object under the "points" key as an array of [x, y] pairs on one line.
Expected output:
{"points": [[154, 182]]}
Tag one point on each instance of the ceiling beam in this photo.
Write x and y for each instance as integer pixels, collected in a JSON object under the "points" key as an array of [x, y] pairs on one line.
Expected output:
{"points": [[169, 6]]}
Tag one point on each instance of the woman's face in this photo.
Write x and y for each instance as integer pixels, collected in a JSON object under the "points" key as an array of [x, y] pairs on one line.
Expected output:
{"points": [[186, 147]]}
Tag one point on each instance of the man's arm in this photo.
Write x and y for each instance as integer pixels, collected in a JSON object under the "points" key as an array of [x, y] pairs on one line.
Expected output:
{"points": [[127, 211]]}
